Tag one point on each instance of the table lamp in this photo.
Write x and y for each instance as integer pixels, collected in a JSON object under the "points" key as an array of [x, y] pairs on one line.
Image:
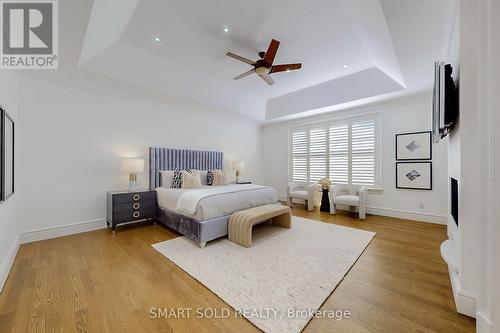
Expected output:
{"points": [[133, 166], [238, 166]]}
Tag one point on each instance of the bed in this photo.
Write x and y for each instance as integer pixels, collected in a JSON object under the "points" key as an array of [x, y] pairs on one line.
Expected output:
{"points": [[200, 214]]}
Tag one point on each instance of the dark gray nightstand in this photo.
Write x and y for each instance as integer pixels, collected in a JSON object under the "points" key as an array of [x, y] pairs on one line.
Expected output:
{"points": [[128, 206]]}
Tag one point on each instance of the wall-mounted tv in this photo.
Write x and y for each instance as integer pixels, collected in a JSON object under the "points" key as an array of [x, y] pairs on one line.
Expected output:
{"points": [[454, 199], [445, 101]]}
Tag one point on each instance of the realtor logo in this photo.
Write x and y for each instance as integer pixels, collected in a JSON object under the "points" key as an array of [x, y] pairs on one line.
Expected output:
{"points": [[29, 34]]}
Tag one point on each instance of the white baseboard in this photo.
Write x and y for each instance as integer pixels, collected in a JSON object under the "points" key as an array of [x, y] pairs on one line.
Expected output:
{"points": [[483, 324], [8, 261], [465, 304], [401, 214], [37, 235], [408, 215]]}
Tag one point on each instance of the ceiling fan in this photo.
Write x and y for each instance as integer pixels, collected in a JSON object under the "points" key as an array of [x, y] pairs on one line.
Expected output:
{"points": [[264, 66]]}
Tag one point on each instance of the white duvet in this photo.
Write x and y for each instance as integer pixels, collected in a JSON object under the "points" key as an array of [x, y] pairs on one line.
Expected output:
{"points": [[210, 202]]}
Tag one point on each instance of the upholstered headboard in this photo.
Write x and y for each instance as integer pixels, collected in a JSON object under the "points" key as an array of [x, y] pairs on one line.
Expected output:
{"points": [[171, 159]]}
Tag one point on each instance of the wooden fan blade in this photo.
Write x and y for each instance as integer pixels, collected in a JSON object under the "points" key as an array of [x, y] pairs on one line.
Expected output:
{"points": [[286, 67], [268, 79], [271, 51], [240, 58], [245, 74]]}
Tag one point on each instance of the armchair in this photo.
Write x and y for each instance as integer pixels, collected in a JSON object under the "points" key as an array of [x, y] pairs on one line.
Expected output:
{"points": [[349, 195], [305, 191]]}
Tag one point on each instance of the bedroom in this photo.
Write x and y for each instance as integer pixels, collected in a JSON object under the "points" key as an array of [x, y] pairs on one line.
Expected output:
{"points": [[134, 81]]}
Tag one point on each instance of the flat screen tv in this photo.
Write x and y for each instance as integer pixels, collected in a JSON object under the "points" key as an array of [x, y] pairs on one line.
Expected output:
{"points": [[445, 101], [454, 199]]}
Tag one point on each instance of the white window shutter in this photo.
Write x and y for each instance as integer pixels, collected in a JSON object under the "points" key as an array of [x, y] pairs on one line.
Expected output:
{"points": [[363, 152], [317, 154], [342, 152], [299, 155], [339, 153]]}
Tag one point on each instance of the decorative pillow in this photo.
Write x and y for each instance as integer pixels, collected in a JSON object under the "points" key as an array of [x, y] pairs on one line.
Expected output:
{"points": [[204, 177], [210, 177], [220, 178], [166, 178], [191, 179], [177, 179]]}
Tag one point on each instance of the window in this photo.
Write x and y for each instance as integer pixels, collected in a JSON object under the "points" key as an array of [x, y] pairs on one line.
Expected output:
{"points": [[299, 152], [344, 152], [317, 153]]}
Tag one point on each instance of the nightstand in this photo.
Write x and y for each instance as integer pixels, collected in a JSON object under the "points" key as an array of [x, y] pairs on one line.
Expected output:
{"points": [[129, 206]]}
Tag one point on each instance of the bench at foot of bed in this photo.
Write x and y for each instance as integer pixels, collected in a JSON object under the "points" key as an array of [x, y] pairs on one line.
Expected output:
{"points": [[241, 223]]}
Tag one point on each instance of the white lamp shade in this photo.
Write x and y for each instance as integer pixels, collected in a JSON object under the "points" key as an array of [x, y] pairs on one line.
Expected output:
{"points": [[238, 165], [133, 165]]}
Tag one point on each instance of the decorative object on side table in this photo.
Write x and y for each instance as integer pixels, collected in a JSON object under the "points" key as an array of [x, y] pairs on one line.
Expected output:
{"points": [[238, 166], [325, 200], [133, 166], [414, 175], [126, 206], [414, 146], [6, 155]]}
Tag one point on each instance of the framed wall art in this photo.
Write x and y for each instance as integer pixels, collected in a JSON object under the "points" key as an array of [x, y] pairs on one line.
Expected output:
{"points": [[414, 146], [414, 175], [6, 155]]}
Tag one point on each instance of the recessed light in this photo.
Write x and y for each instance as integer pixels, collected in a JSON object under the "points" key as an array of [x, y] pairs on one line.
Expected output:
{"points": [[226, 29], [288, 71], [157, 39], [346, 65]]}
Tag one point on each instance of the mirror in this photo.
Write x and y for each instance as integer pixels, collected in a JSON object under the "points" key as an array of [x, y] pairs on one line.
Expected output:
{"points": [[7, 158]]}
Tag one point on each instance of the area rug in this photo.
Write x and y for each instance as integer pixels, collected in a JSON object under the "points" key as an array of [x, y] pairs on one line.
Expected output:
{"points": [[282, 280]]}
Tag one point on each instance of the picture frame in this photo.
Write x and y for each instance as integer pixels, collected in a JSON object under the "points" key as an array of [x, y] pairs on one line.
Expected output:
{"points": [[7, 146], [414, 146], [414, 175]]}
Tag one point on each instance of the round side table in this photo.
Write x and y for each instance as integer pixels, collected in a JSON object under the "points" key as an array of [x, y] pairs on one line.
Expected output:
{"points": [[325, 202]]}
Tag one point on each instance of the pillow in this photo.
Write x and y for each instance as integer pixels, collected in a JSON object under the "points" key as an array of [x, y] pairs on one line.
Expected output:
{"points": [[166, 178], [204, 177], [220, 178], [177, 179], [210, 177], [191, 179]]}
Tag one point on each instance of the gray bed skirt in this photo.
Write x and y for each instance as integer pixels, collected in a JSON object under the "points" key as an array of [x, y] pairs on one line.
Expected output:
{"points": [[198, 231]]}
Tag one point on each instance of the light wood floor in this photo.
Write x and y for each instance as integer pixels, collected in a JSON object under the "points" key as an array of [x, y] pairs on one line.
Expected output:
{"points": [[98, 282]]}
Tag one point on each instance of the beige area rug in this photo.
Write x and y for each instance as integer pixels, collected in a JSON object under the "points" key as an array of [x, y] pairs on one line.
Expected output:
{"points": [[280, 281]]}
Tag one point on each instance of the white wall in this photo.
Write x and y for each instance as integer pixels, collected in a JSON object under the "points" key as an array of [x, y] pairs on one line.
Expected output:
{"points": [[9, 222], [488, 260], [401, 116], [463, 155], [76, 134]]}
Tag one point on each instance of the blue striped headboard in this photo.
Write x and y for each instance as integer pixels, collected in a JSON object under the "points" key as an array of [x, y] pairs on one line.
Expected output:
{"points": [[171, 159]]}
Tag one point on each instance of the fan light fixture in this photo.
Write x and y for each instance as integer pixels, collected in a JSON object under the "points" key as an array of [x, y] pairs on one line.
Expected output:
{"points": [[262, 70], [265, 65]]}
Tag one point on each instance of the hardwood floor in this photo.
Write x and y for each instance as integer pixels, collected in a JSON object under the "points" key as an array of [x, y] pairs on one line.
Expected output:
{"points": [[99, 282]]}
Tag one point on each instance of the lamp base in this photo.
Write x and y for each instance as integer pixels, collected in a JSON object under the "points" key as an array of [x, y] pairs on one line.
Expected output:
{"points": [[132, 186], [132, 182]]}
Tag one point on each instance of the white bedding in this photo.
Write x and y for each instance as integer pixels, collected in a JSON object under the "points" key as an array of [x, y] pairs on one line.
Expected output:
{"points": [[209, 202]]}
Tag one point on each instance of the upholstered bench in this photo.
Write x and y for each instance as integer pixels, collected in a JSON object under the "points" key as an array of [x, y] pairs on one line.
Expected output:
{"points": [[240, 224]]}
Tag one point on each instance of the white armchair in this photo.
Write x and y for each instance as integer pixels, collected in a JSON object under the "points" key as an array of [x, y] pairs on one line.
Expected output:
{"points": [[304, 191], [349, 195]]}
